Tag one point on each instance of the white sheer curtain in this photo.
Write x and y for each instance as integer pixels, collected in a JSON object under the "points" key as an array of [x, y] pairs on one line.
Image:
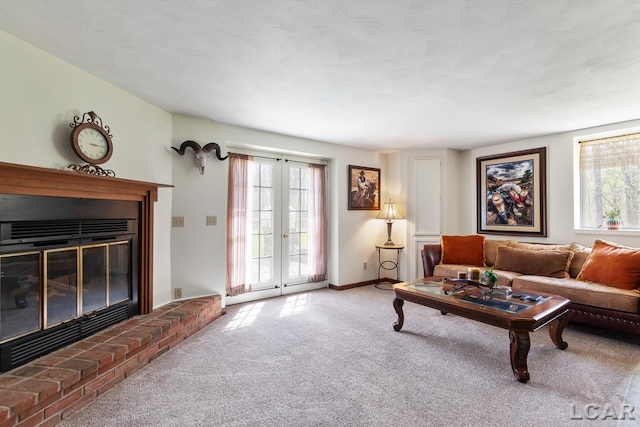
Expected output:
{"points": [[237, 207], [317, 224]]}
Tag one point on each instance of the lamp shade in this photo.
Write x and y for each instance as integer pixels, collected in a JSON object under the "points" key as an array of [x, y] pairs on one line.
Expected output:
{"points": [[389, 212]]}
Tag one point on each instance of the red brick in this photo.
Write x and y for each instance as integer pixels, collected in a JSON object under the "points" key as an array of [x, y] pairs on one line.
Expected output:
{"points": [[9, 423], [82, 345], [49, 360], [103, 358], [166, 342], [32, 421], [130, 343], [63, 403], [142, 336], [95, 385], [67, 377], [51, 421], [6, 381], [17, 401], [43, 404], [122, 369], [67, 352], [41, 388], [5, 413], [148, 352], [77, 405], [27, 371], [111, 366], [115, 380], [79, 384], [85, 367], [153, 331], [118, 351]]}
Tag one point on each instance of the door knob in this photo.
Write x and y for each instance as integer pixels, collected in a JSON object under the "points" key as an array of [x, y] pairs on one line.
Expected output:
{"points": [[285, 235]]}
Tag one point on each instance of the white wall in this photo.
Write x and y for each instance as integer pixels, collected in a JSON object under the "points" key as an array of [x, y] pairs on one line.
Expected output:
{"points": [[40, 96], [198, 252], [560, 167]]}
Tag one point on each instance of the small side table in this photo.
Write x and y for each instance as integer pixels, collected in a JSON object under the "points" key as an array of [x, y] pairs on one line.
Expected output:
{"points": [[388, 264]]}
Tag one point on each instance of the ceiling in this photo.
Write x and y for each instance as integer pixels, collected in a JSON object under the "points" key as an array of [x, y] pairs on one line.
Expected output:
{"points": [[379, 74]]}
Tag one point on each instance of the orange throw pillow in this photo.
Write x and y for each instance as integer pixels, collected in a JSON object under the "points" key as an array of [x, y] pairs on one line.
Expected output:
{"points": [[463, 250], [613, 265]]}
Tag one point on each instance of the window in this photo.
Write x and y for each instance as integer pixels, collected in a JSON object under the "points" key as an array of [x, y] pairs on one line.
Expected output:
{"points": [[610, 180]]}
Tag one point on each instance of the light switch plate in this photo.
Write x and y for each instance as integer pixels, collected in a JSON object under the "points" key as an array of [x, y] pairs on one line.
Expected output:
{"points": [[212, 220], [178, 221]]}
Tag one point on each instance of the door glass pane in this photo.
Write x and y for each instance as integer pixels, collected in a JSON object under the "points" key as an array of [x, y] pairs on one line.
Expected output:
{"points": [[262, 226], [266, 199], [298, 213], [266, 175], [294, 178], [119, 272], [19, 294], [94, 278], [294, 199], [62, 289]]}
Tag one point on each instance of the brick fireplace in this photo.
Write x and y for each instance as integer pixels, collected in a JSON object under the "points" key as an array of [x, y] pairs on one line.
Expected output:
{"points": [[76, 255], [44, 388]]}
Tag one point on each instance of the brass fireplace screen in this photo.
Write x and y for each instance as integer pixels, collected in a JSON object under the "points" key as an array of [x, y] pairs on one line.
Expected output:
{"points": [[42, 289]]}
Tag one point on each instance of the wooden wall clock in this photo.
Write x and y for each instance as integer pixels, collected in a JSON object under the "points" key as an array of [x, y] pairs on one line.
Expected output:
{"points": [[92, 142]]}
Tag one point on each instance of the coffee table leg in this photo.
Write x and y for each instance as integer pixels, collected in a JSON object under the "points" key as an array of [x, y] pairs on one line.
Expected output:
{"points": [[397, 305], [520, 345], [556, 327]]}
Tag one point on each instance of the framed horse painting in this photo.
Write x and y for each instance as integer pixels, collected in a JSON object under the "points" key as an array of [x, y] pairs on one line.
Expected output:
{"points": [[364, 188]]}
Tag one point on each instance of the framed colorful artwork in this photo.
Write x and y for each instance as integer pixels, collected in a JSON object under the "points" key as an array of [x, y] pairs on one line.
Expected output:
{"points": [[364, 188], [511, 193]]}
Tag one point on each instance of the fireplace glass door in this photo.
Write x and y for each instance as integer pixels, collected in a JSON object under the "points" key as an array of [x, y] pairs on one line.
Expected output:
{"points": [[19, 294], [76, 281], [61, 289]]}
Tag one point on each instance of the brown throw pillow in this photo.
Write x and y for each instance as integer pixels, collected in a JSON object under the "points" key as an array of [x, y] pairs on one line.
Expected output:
{"points": [[538, 263], [490, 250], [613, 265], [580, 255], [463, 250], [538, 246]]}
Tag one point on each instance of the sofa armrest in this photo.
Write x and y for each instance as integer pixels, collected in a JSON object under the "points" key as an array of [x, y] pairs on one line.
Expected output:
{"points": [[431, 255]]}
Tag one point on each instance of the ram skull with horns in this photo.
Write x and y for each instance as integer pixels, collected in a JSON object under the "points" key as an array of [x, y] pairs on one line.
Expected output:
{"points": [[201, 153]]}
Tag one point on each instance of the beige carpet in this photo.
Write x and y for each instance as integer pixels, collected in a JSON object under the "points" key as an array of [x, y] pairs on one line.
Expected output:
{"points": [[331, 358]]}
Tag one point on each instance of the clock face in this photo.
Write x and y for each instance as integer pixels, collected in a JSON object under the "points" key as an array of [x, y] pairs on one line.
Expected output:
{"points": [[93, 143]]}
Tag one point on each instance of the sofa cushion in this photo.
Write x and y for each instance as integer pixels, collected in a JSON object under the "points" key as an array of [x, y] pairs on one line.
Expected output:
{"points": [[491, 250], [538, 246], [467, 250], [550, 263], [581, 292], [580, 255], [612, 264], [451, 270]]}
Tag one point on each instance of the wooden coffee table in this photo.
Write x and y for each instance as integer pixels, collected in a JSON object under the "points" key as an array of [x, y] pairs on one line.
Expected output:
{"points": [[516, 313]]}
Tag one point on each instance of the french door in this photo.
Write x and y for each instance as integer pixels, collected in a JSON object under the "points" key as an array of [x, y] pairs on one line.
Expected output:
{"points": [[278, 229]]}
